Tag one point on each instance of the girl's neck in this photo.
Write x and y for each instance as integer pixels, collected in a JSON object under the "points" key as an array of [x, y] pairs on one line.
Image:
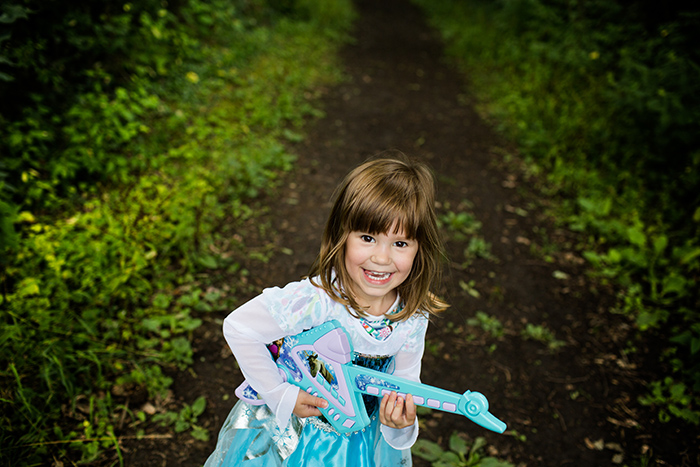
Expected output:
{"points": [[380, 306]]}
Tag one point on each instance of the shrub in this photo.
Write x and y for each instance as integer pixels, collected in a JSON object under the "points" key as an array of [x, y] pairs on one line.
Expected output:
{"points": [[126, 174], [602, 100]]}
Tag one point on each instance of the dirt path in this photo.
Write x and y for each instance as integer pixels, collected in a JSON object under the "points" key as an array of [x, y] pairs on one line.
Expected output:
{"points": [[573, 405]]}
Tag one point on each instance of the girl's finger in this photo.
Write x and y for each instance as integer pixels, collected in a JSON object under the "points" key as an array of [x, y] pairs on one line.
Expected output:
{"points": [[398, 414], [391, 404], [383, 404], [307, 405], [394, 409], [308, 399], [386, 408], [410, 409], [318, 402]]}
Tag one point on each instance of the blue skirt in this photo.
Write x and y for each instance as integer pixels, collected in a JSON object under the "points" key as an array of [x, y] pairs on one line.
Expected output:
{"points": [[250, 437]]}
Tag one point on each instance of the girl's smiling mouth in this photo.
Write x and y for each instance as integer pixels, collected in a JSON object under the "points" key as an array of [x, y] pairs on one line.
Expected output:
{"points": [[376, 276]]}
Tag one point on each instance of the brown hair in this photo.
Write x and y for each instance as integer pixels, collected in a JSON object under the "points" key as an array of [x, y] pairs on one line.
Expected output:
{"points": [[379, 194]]}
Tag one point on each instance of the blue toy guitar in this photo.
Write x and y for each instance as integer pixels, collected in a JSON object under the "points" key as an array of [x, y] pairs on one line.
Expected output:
{"points": [[319, 362]]}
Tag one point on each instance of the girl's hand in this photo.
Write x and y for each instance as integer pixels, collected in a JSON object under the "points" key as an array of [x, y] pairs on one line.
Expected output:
{"points": [[307, 405], [394, 412]]}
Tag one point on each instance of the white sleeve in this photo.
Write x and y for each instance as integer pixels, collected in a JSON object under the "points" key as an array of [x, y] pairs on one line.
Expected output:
{"points": [[407, 365], [247, 331]]}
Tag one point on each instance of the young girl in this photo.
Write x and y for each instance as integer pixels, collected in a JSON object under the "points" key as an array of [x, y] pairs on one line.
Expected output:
{"points": [[379, 259]]}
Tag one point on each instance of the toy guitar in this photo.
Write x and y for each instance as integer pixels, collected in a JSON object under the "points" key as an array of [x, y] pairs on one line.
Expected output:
{"points": [[319, 362]]}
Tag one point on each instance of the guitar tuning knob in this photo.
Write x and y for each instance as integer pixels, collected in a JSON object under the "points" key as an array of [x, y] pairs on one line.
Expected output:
{"points": [[477, 403]]}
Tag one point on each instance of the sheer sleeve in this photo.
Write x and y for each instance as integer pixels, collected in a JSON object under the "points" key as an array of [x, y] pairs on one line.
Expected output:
{"points": [[247, 331], [276, 313], [408, 365]]}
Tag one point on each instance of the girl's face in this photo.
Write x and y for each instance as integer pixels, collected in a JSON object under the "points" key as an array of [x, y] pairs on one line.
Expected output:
{"points": [[377, 264]]}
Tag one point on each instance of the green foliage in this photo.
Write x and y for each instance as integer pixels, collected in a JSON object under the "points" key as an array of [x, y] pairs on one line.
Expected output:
{"points": [[541, 333], [673, 399], [478, 248], [462, 225], [333, 16], [97, 429], [602, 100], [8, 235], [121, 185], [470, 288], [489, 324], [460, 453], [186, 419], [8, 14], [149, 376]]}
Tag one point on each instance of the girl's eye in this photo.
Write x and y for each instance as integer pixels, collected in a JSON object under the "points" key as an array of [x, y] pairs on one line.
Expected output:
{"points": [[367, 238], [401, 244]]}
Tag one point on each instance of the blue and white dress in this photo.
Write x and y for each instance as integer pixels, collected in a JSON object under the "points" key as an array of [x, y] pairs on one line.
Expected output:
{"points": [[270, 435]]}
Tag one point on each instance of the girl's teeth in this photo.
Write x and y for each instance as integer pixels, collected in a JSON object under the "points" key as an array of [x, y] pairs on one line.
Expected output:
{"points": [[378, 276]]}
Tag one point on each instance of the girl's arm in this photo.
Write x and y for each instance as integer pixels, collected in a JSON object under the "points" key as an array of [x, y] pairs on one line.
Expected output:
{"points": [[407, 365], [247, 331]]}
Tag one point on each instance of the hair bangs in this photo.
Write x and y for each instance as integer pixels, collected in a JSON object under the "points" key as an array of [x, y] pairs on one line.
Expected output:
{"points": [[378, 206], [373, 218]]}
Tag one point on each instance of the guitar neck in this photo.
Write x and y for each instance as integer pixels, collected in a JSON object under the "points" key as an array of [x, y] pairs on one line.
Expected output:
{"points": [[472, 405]]}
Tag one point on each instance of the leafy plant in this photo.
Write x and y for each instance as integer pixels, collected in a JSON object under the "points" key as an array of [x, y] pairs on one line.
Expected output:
{"points": [[470, 288], [489, 324], [186, 419], [9, 14], [459, 454], [542, 333], [462, 225], [478, 248], [673, 398]]}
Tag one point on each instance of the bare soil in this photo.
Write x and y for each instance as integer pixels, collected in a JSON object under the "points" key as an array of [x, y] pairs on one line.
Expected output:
{"points": [[573, 405]]}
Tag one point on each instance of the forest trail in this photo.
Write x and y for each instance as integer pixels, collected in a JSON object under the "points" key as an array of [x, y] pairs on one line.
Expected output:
{"points": [[568, 399]]}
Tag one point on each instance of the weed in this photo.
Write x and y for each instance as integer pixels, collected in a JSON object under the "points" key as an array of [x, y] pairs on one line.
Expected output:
{"points": [[462, 226], [469, 288], [489, 324], [186, 419], [433, 347], [673, 398], [541, 333], [518, 436], [478, 248], [459, 454]]}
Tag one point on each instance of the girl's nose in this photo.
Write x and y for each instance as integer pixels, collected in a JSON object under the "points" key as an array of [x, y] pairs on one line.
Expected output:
{"points": [[380, 258]]}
